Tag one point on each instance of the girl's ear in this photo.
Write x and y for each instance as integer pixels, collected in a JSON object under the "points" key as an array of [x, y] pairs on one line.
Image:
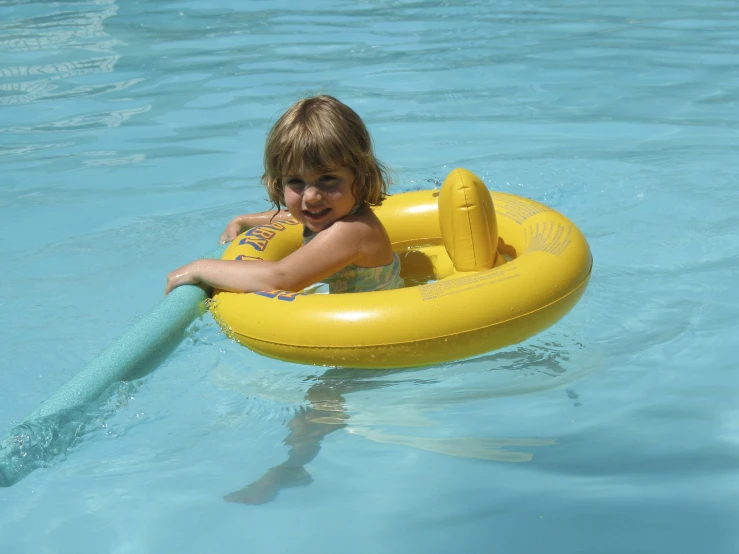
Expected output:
{"points": [[360, 186]]}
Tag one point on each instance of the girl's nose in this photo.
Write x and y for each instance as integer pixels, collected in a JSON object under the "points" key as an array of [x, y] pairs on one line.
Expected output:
{"points": [[311, 194]]}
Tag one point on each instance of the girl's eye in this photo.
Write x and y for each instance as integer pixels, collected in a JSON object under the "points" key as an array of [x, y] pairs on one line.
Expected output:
{"points": [[294, 183]]}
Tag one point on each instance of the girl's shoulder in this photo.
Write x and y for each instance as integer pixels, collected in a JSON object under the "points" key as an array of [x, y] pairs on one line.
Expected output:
{"points": [[363, 216], [362, 223], [367, 231]]}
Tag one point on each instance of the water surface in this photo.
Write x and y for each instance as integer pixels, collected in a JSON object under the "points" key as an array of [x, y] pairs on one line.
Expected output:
{"points": [[131, 133]]}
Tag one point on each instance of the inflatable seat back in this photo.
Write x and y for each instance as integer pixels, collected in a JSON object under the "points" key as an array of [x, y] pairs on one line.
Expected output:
{"points": [[469, 228]]}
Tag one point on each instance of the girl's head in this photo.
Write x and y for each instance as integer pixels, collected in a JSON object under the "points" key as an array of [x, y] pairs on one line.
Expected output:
{"points": [[320, 134]]}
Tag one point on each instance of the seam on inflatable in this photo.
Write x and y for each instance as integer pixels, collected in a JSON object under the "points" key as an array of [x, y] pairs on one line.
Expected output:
{"points": [[436, 337], [469, 225]]}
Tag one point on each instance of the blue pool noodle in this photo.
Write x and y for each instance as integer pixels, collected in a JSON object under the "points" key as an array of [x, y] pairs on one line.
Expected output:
{"points": [[154, 335]]}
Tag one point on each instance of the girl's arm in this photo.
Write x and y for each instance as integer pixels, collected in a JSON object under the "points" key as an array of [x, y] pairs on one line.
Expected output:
{"points": [[241, 223], [330, 251]]}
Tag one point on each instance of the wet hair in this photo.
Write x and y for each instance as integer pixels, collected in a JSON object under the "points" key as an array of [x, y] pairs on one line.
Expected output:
{"points": [[320, 134]]}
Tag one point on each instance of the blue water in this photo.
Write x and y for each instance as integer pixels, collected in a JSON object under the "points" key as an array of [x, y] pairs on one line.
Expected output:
{"points": [[131, 133]]}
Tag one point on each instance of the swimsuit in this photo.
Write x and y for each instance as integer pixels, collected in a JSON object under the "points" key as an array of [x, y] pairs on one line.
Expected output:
{"points": [[355, 278]]}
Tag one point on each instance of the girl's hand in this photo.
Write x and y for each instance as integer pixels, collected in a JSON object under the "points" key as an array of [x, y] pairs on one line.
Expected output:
{"points": [[233, 229], [186, 275]]}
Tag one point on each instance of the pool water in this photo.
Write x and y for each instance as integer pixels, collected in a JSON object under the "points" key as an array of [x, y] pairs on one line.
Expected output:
{"points": [[131, 133]]}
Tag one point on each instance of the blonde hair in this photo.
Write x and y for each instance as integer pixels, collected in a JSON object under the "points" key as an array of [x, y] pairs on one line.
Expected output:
{"points": [[321, 134]]}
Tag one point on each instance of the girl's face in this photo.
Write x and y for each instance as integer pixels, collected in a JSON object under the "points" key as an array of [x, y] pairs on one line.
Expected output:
{"points": [[318, 200]]}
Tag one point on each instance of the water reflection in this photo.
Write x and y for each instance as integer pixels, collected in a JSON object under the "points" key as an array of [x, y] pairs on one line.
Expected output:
{"points": [[327, 410], [55, 40], [324, 414], [60, 26]]}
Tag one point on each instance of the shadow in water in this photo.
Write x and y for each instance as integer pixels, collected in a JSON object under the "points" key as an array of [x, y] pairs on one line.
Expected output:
{"points": [[326, 413]]}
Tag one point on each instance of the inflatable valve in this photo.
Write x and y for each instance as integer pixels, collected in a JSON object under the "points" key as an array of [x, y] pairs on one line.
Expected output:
{"points": [[469, 228]]}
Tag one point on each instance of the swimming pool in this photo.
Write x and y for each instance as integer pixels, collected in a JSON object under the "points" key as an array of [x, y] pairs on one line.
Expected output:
{"points": [[131, 133]]}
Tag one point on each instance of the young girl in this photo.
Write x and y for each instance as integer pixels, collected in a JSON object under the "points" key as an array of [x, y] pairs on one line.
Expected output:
{"points": [[320, 165]]}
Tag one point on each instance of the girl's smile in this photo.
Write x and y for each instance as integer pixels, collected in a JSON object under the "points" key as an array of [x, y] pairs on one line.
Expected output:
{"points": [[318, 200]]}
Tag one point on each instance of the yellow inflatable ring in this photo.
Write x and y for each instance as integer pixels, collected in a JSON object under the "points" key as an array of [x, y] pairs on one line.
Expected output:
{"points": [[503, 268]]}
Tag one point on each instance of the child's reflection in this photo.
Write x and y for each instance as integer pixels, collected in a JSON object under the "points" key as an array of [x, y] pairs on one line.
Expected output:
{"points": [[323, 415]]}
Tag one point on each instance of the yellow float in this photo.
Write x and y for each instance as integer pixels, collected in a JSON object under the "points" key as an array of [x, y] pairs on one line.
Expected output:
{"points": [[494, 269]]}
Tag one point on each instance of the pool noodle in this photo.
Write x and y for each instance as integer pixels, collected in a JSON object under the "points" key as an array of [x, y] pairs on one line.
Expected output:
{"points": [[147, 341]]}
